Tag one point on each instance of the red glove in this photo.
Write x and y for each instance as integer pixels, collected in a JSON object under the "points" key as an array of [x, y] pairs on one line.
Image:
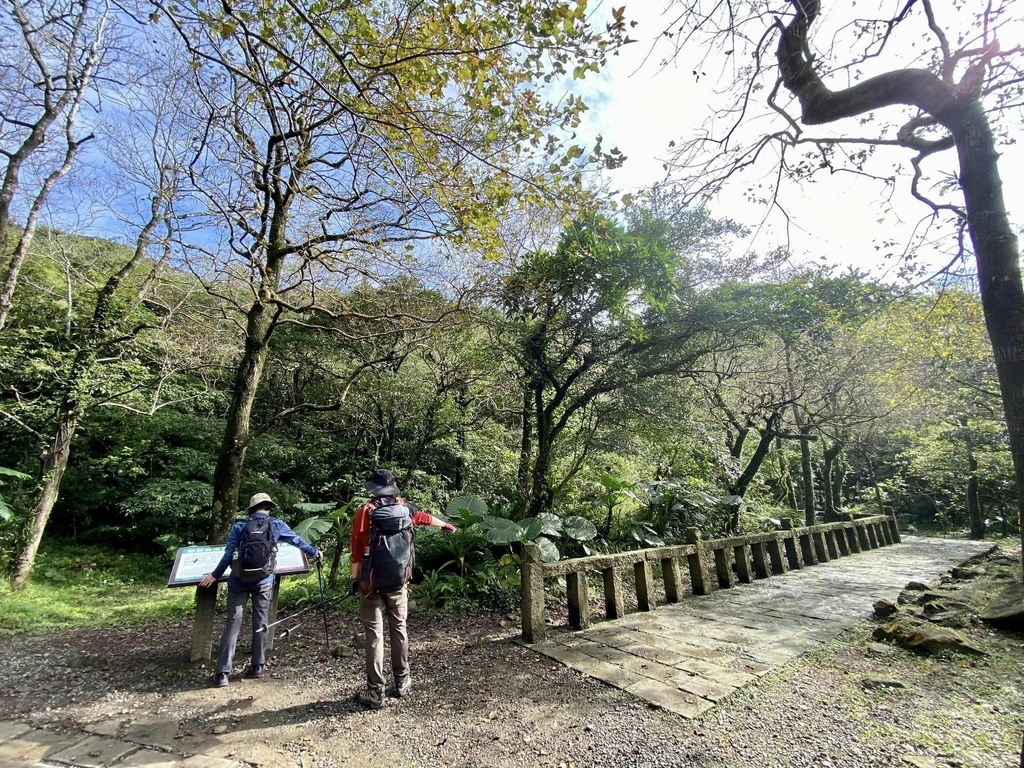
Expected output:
{"points": [[448, 528]]}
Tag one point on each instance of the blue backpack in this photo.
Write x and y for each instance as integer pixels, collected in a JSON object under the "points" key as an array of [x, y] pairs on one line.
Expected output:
{"points": [[389, 558]]}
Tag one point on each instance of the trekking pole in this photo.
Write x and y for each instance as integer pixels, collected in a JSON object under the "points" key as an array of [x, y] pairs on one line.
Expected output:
{"points": [[323, 602], [327, 602]]}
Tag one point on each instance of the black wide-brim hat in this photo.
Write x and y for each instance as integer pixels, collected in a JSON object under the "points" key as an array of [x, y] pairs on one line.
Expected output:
{"points": [[382, 483]]}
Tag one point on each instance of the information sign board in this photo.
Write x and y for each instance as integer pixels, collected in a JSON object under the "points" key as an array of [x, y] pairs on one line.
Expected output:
{"points": [[192, 563]]}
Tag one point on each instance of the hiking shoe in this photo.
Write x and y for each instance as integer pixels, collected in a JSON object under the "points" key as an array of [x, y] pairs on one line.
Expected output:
{"points": [[371, 698], [219, 680], [403, 686], [256, 671]]}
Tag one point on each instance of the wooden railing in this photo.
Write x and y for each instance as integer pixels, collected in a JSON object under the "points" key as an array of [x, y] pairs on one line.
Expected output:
{"points": [[710, 562]]}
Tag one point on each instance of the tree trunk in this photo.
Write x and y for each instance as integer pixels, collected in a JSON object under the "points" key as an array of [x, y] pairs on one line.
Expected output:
{"points": [[830, 483], [973, 502], [55, 462], [55, 459], [786, 479], [332, 578], [874, 484], [739, 488], [992, 238], [227, 476], [999, 278], [541, 497], [525, 449], [807, 475]]}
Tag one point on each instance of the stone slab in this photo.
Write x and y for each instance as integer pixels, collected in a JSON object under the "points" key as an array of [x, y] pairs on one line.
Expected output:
{"points": [[205, 761], [93, 752], [701, 686], [663, 673], [662, 655], [663, 696], [34, 746], [10, 729], [154, 733], [716, 673], [151, 758], [104, 728]]}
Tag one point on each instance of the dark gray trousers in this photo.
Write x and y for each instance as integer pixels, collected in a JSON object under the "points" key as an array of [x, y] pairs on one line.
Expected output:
{"points": [[237, 598]]}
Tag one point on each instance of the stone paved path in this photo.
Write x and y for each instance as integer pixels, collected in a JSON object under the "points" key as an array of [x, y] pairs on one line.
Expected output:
{"points": [[22, 746], [688, 655]]}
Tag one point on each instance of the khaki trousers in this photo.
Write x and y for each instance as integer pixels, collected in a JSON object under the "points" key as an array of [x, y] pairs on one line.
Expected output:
{"points": [[371, 614]]}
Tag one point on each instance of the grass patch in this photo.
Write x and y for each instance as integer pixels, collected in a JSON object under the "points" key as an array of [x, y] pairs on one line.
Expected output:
{"points": [[93, 587]]}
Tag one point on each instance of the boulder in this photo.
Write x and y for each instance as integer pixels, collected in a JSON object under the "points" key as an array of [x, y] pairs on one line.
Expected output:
{"points": [[948, 619], [877, 649], [1006, 609], [918, 635], [962, 573], [885, 609], [915, 586], [935, 639], [877, 681], [946, 605]]}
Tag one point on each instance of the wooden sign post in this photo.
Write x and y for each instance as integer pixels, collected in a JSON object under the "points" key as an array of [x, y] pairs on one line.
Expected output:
{"points": [[192, 563]]}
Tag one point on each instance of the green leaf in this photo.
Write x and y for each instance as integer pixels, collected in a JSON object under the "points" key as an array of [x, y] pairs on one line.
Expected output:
{"points": [[467, 509], [500, 530], [548, 550], [579, 528], [14, 473], [550, 525], [312, 528], [532, 528]]}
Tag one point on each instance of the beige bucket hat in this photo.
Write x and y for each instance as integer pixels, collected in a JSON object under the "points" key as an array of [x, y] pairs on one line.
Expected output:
{"points": [[260, 498]]}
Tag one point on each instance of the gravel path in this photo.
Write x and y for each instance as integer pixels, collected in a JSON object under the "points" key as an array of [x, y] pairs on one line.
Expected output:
{"points": [[482, 700]]}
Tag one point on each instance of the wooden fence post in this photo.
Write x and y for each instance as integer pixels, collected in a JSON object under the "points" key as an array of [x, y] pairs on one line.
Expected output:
{"points": [[532, 594], [775, 554], [272, 612], [579, 605], [818, 537], [830, 544], [894, 528], [202, 629], [614, 604], [697, 562], [672, 578], [644, 586], [807, 548], [792, 553], [723, 568], [761, 568], [741, 554]]}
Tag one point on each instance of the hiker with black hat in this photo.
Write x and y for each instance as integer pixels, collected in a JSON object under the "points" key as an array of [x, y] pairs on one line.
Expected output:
{"points": [[252, 576], [382, 563]]}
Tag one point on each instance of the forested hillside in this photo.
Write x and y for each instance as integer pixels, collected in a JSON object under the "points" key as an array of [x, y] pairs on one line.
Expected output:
{"points": [[625, 376]]}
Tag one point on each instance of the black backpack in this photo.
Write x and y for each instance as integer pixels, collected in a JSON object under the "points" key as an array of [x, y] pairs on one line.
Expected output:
{"points": [[388, 560], [257, 551]]}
